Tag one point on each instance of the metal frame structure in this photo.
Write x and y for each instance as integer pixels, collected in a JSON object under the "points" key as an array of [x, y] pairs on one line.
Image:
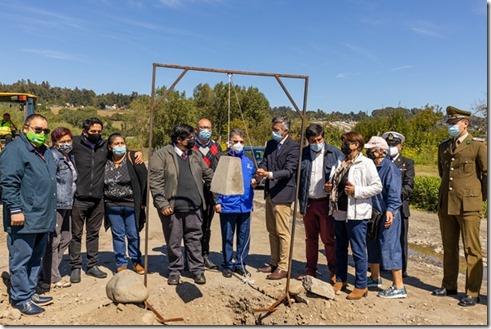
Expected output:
{"points": [[154, 103]]}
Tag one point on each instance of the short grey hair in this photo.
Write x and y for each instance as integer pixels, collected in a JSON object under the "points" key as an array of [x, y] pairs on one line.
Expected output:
{"points": [[283, 119], [235, 132]]}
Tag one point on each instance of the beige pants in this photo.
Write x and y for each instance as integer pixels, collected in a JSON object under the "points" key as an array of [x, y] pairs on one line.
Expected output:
{"points": [[278, 226]]}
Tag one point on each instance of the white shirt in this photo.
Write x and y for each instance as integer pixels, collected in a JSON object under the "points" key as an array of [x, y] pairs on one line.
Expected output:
{"points": [[317, 179]]}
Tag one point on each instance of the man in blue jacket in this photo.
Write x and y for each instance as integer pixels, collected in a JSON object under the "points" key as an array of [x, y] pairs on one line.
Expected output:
{"points": [[317, 160], [28, 181], [235, 210]]}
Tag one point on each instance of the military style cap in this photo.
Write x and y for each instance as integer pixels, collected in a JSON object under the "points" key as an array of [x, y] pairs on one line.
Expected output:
{"points": [[393, 137], [455, 113]]}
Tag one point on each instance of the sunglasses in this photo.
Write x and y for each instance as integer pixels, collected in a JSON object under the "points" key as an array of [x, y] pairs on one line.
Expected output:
{"points": [[39, 130]]}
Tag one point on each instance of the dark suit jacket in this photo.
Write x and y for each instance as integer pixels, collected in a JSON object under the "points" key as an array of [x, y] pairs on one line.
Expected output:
{"points": [[406, 166], [283, 163]]}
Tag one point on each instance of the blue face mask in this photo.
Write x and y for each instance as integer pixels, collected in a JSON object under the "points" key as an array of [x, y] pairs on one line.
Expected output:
{"points": [[119, 150], [454, 130], [276, 135], [204, 134], [317, 147]]}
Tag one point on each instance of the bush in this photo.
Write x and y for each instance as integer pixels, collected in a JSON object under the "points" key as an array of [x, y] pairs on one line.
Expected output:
{"points": [[425, 193]]}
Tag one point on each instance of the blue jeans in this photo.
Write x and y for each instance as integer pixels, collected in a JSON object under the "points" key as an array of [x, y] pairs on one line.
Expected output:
{"points": [[25, 253], [228, 224], [351, 232], [123, 226]]}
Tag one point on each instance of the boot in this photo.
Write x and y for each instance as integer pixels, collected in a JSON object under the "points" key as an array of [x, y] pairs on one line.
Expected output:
{"points": [[338, 286], [357, 294]]}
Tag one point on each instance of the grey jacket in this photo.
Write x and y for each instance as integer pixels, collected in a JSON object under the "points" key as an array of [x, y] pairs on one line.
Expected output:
{"points": [[164, 175]]}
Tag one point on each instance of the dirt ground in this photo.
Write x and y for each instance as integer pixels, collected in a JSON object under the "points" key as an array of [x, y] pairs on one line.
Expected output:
{"points": [[232, 301]]}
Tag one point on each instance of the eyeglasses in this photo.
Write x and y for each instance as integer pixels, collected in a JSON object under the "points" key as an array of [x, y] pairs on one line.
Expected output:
{"points": [[39, 130], [235, 142]]}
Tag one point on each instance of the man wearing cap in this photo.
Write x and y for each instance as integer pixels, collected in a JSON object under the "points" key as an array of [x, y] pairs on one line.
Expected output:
{"points": [[395, 141], [462, 166]]}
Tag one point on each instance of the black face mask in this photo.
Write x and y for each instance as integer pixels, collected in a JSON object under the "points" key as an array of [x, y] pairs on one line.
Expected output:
{"points": [[94, 138], [190, 144], [345, 149], [371, 155]]}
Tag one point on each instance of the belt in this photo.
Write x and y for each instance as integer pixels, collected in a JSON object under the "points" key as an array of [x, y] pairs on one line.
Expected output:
{"points": [[318, 199]]}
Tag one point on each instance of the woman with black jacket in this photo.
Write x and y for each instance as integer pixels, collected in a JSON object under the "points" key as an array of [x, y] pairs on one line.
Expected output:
{"points": [[125, 190]]}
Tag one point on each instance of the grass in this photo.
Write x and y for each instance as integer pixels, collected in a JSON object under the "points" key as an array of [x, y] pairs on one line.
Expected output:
{"points": [[426, 170]]}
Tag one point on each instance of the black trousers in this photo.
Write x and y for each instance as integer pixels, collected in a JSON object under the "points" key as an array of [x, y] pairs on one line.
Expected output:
{"points": [[404, 230], [91, 213], [207, 217]]}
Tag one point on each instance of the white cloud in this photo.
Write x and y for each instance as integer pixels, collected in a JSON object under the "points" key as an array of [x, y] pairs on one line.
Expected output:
{"points": [[403, 67], [52, 54]]}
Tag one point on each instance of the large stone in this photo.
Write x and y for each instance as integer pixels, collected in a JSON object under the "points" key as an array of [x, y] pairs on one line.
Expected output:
{"points": [[227, 179], [318, 287], [126, 287]]}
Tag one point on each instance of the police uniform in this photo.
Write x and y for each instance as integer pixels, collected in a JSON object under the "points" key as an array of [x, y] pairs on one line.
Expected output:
{"points": [[462, 166], [406, 166]]}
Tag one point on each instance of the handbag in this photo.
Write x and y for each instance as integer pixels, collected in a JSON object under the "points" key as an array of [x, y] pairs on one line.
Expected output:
{"points": [[374, 224]]}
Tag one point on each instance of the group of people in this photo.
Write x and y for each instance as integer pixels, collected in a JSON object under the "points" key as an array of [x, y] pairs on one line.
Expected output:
{"points": [[346, 197], [50, 194]]}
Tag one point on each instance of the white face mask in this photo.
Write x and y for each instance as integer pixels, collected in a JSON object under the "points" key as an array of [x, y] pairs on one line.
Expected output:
{"points": [[237, 148], [393, 151]]}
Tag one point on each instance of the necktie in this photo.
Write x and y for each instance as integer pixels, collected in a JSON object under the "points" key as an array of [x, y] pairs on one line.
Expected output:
{"points": [[184, 155]]}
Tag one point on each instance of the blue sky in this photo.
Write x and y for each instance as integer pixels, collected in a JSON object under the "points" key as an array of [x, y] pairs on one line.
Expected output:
{"points": [[359, 55]]}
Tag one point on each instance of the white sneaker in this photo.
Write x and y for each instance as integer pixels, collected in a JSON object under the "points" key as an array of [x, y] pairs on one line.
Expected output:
{"points": [[63, 283]]}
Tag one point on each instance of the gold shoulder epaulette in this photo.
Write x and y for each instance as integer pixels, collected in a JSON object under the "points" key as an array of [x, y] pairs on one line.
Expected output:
{"points": [[478, 139]]}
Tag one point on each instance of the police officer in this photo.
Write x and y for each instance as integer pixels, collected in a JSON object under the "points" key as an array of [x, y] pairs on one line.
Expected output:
{"points": [[395, 141], [462, 166]]}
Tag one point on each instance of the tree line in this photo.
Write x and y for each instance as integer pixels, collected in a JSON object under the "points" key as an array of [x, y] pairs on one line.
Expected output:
{"points": [[238, 107]]}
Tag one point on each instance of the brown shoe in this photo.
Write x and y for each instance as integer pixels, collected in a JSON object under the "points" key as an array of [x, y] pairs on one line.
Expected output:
{"points": [[338, 286], [357, 294], [278, 274], [122, 268], [267, 269], [139, 269], [302, 276]]}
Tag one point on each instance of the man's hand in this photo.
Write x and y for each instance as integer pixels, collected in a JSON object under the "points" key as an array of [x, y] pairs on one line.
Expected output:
{"points": [[389, 218], [261, 173], [166, 211], [218, 208], [328, 187], [17, 219], [138, 157]]}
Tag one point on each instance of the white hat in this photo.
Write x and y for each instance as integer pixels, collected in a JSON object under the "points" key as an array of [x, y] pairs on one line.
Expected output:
{"points": [[394, 137], [377, 141]]}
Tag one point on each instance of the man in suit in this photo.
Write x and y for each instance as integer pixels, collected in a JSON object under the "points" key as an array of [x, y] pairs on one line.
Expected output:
{"points": [[395, 141], [279, 166], [462, 166]]}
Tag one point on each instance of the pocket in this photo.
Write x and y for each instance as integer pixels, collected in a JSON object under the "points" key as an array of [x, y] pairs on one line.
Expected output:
{"points": [[472, 200]]}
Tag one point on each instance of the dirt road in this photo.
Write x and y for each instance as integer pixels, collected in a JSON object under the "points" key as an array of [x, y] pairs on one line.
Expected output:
{"points": [[223, 301]]}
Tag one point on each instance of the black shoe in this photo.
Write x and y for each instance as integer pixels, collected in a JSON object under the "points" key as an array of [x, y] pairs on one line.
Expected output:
{"points": [[444, 292], [75, 276], [242, 272], [41, 300], [469, 301], [96, 272], [29, 308], [404, 275], [209, 264], [173, 280], [199, 278], [227, 272]]}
